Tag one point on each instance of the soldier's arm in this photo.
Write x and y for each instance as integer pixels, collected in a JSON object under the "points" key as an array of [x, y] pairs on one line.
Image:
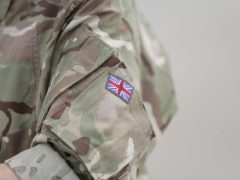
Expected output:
{"points": [[96, 131], [85, 124]]}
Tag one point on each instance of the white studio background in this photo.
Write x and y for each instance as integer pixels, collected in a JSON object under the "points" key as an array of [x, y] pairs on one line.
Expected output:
{"points": [[202, 38]]}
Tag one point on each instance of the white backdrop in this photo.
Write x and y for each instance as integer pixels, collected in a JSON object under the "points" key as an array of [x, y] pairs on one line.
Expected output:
{"points": [[202, 38]]}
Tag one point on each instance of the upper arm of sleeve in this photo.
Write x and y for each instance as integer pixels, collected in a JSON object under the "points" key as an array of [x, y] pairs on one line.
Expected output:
{"points": [[94, 130]]}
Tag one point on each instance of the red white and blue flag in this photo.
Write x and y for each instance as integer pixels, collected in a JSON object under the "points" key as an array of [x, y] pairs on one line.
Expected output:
{"points": [[119, 87]]}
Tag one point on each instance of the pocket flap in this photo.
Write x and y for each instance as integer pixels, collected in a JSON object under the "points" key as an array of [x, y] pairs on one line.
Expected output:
{"points": [[82, 53]]}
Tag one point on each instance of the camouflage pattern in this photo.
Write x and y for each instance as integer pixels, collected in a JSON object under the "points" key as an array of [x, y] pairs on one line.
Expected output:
{"points": [[37, 164], [55, 57]]}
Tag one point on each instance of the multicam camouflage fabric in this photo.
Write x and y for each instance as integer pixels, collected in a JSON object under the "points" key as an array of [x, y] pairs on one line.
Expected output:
{"points": [[55, 57]]}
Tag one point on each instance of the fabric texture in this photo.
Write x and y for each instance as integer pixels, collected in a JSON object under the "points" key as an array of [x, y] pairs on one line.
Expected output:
{"points": [[55, 61], [38, 162]]}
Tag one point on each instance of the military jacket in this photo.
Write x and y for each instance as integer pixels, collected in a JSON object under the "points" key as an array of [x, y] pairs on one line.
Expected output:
{"points": [[85, 88]]}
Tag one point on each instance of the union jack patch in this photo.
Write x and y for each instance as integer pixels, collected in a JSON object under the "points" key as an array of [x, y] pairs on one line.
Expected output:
{"points": [[119, 87]]}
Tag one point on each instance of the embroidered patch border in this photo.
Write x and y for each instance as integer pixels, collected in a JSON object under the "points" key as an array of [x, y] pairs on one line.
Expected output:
{"points": [[119, 87]]}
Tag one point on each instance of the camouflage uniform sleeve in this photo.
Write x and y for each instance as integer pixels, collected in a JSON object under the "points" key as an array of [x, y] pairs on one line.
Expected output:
{"points": [[96, 130], [100, 133]]}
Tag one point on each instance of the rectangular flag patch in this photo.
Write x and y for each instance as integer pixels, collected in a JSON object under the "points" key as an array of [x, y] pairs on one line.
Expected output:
{"points": [[119, 87]]}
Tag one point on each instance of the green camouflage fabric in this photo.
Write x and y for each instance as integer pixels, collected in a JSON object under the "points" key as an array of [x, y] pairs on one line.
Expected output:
{"points": [[55, 59]]}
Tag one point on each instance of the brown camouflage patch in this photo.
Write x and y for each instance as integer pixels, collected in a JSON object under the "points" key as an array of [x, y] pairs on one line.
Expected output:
{"points": [[60, 110], [20, 108], [82, 145], [111, 62]]}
